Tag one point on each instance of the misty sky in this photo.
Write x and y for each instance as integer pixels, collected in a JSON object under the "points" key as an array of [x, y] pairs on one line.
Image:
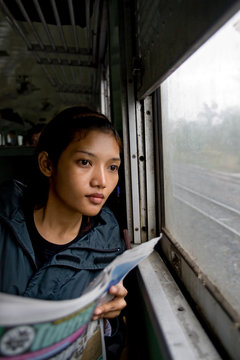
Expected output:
{"points": [[210, 76]]}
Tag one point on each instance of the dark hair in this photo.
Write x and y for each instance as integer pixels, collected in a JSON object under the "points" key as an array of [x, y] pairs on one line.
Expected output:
{"points": [[57, 135]]}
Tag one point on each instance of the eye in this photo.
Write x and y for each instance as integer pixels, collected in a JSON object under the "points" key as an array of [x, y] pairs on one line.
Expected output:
{"points": [[114, 168], [84, 163]]}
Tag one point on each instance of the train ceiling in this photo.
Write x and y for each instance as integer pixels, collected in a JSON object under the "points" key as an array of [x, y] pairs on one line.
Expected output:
{"points": [[51, 52]]}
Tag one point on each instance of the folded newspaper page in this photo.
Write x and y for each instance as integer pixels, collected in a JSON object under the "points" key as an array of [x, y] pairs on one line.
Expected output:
{"points": [[43, 329]]}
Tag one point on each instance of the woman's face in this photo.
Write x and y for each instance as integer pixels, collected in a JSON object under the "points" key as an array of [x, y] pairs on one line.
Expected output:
{"points": [[87, 173]]}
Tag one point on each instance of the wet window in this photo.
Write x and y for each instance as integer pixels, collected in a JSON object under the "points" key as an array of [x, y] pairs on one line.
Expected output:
{"points": [[201, 143]]}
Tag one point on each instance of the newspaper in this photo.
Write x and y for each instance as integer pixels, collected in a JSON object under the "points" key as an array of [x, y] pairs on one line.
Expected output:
{"points": [[43, 329]]}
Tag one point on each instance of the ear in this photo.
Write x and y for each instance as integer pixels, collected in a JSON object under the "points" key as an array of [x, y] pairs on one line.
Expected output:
{"points": [[45, 164]]}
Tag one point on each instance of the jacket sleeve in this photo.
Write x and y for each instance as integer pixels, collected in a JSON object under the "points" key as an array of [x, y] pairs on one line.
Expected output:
{"points": [[16, 267]]}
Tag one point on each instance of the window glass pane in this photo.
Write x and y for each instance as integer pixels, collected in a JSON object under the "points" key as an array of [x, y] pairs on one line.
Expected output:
{"points": [[201, 142]]}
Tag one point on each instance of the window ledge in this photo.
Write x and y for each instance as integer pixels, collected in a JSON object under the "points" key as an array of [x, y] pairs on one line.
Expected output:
{"points": [[180, 334]]}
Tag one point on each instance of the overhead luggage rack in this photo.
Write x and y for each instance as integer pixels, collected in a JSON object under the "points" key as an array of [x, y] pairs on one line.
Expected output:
{"points": [[64, 38]]}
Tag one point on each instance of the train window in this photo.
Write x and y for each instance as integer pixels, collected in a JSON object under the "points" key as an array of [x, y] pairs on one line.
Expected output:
{"points": [[201, 149]]}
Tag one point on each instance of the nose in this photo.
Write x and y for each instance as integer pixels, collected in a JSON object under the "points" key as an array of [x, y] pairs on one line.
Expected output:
{"points": [[98, 178]]}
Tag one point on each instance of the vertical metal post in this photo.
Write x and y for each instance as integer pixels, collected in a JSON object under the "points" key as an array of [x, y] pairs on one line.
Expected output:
{"points": [[142, 172], [150, 167], [127, 170], [159, 178], [134, 166], [130, 129]]}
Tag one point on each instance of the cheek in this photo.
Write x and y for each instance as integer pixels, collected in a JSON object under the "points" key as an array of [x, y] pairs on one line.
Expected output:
{"points": [[113, 183], [77, 182], [65, 179]]}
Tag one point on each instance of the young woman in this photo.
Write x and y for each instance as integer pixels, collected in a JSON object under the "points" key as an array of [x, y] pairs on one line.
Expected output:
{"points": [[55, 234]]}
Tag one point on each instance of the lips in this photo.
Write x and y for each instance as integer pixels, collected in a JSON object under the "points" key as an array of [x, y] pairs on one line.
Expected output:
{"points": [[95, 198]]}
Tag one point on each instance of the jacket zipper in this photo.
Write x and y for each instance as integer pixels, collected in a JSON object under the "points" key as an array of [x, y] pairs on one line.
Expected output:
{"points": [[97, 250]]}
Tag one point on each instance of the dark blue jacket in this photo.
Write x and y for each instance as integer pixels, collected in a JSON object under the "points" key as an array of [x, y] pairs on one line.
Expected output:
{"points": [[69, 272]]}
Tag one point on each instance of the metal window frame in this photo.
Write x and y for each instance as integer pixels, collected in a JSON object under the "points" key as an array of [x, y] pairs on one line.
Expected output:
{"points": [[220, 319], [162, 32]]}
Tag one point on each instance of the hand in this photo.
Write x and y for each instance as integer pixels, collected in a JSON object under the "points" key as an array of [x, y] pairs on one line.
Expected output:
{"points": [[112, 308]]}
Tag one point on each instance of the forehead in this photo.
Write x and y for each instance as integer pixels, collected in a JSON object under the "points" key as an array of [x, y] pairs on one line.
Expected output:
{"points": [[97, 140], [92, 135]]}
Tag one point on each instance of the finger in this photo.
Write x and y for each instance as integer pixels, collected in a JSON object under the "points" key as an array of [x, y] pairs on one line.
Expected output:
{"points": [[118, 290], [113, 306], [109, 312], [109, 315], [118, 303]]}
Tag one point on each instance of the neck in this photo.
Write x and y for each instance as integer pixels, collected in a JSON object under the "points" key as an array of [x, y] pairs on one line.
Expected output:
{"points": [[56, 225]]}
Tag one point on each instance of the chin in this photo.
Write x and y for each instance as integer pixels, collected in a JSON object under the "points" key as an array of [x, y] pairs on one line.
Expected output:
{"points": [[93, 212]]}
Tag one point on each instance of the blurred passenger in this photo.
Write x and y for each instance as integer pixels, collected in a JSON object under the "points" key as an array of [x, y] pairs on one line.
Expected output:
{"points": [[12, 139], [32, 137]]}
